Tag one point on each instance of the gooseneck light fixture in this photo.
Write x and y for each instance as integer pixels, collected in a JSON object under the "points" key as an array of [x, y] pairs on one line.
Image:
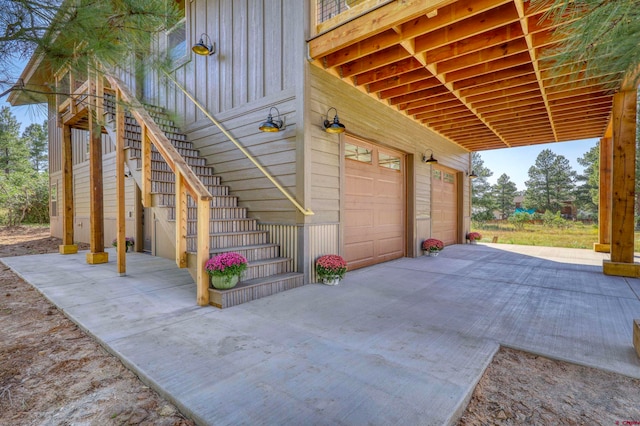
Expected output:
{"points": [[200, 48], [333, 127], [272, 125], [473, 175], [429, 160]]}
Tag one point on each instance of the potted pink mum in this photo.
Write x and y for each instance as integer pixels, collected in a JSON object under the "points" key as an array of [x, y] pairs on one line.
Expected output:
{"points": [[432, 246], [331, 268], [473, 237], [225, 269]]}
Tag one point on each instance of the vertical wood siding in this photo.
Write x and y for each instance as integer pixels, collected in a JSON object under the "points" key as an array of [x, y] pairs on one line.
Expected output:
{"points": [[323, 239], [286, 236]]}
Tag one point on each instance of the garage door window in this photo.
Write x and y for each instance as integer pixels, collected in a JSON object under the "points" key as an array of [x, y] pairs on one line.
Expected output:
{"points": [[388, 161], [357, 153]]}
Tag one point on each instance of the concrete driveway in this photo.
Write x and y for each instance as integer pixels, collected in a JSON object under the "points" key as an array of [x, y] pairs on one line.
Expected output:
{"points": [[403, 342]]}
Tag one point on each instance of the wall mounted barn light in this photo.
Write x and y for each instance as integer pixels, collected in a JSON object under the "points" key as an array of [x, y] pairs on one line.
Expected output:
{"points": [[200, 48], [473, 175], [272, 125], [429, 160], [333, 127]]}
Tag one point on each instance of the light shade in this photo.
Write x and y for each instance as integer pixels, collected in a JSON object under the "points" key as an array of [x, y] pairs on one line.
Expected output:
{"points": [[473, 175], [333, 127], [272, 125], [200, 48], [429, 160]]}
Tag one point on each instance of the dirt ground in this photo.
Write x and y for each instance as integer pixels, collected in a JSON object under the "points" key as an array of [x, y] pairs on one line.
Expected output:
{"points": [[51, 373]]}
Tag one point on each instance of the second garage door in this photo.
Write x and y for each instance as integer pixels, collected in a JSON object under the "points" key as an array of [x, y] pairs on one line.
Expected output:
{"points": [[444, 205], [374, 225]]}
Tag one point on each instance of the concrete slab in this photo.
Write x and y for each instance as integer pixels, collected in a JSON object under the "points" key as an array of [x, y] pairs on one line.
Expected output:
{"points": [[403, 342]]}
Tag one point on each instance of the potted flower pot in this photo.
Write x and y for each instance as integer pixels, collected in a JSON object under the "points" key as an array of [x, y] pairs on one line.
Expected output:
{"points": [[225, 269]]}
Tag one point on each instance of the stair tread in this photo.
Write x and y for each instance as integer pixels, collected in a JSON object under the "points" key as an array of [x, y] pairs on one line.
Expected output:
{"points": [[270, 278], [269, 260]]}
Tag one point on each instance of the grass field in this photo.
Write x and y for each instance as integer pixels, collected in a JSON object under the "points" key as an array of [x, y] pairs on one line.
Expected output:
{"points": [[576, 235]]}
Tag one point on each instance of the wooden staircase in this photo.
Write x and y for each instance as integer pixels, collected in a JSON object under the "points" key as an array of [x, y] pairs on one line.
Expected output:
{"points": [[230, 227]]}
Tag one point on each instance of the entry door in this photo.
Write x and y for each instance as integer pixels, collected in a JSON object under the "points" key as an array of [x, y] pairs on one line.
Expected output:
{"points": [[444, 205], [375, 200]]}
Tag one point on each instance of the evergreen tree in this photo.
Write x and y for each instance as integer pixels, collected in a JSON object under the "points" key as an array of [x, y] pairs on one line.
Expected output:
{"points": [[23, 191], [505, 192], [13, 151], [482, 200], [78, 34], [587, 193], [600, 35], [551, 181], [36, 138]]}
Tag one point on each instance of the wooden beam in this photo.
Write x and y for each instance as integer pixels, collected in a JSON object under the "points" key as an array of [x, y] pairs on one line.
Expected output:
{"points": [[623, 185], [380, 20], [604, 201], [181, 221], [96, 254], [120, 193], [68, 246]]}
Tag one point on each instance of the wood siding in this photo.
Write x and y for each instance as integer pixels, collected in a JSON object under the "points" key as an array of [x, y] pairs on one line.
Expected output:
{"points": [[368, 119]]}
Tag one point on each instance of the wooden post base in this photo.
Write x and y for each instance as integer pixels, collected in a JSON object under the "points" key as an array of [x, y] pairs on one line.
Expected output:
{"points": [[636, 336], [621, 269], [96, 258], [601, 248], [68, 248]]}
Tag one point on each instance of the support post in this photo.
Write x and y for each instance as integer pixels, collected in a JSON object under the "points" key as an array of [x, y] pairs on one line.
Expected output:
{"points": [[120, 193], [202, 255], [181, 222], [623, 186], [67, 246], [604, 201], [96, 254]]}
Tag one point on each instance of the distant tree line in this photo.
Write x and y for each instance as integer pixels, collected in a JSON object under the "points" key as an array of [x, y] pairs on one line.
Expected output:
{"points": [[552, 182], [24, 175]]}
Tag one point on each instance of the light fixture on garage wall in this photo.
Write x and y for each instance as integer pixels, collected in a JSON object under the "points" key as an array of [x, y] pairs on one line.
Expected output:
{"points": [[429, 160], [272, 125], [200, 48], [472, 175], [333, 127]]}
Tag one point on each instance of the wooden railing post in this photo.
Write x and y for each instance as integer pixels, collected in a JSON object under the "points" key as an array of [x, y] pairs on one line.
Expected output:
{"points": [[202, 278], [145, 181], [181, 222], [120, 193]]}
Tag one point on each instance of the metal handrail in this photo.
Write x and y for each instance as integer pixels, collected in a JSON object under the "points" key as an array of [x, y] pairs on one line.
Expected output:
{"points": [[306, 212]]}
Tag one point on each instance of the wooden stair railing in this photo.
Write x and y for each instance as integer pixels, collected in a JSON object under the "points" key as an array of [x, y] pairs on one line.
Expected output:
{"points": [[186, 181]]}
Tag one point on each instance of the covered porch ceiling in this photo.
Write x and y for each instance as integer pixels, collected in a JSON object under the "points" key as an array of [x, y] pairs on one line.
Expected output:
{"points": [[470, 70]]}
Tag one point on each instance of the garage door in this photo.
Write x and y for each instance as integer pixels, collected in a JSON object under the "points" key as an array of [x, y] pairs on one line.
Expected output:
{"points": [[444, 205], [374, 223]]}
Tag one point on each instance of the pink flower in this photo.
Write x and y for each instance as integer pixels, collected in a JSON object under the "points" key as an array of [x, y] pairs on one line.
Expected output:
{"points": [[226, 264], [331, 265], [472, 236], [432, 244]]}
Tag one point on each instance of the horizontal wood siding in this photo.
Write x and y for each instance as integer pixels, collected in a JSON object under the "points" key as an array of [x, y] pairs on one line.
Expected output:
{"points": [[368, 119], [276, 152]]}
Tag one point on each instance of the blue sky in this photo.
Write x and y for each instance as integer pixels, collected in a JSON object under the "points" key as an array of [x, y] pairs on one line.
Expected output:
{"points": [[515, 162]]}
